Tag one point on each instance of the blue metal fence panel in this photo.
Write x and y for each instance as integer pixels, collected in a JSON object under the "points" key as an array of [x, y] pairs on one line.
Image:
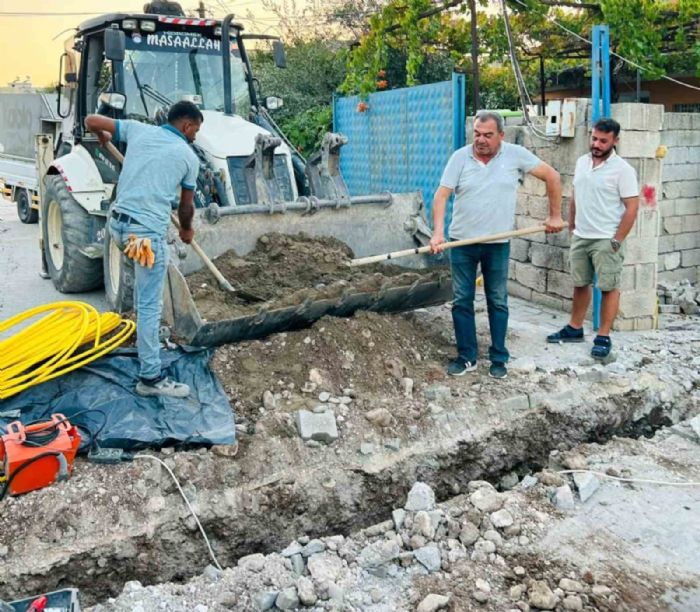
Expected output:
{"points": [[403, 140]]}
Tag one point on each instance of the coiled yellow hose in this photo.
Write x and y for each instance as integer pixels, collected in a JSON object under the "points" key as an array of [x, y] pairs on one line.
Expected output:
{"points": [[68, 336]]}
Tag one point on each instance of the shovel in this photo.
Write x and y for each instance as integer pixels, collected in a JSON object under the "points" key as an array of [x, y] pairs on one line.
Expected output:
{"points": [[223, 283], [446, 245]]}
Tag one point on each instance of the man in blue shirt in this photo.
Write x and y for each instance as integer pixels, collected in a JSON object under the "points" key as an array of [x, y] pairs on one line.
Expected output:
{"points": [[158, 163], [484, 177]]}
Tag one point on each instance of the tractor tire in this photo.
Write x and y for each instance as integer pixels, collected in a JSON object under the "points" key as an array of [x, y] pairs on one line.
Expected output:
{"points": [[118, 276], [65, 230], [25, 212]]}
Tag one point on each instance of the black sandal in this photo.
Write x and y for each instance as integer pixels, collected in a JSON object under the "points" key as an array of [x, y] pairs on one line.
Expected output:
{"points": [[566, 334], [602, 345]]}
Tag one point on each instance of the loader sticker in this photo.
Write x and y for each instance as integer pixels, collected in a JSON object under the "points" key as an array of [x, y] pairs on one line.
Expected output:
{"points": [[174, 41]]}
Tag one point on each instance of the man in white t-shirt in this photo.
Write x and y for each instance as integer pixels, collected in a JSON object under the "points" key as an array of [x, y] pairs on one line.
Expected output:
{"points": [[602, 211]]}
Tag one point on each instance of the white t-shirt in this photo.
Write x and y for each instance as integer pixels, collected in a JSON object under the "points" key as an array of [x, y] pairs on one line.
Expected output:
{"points": [[485, 194], [598, 193]]}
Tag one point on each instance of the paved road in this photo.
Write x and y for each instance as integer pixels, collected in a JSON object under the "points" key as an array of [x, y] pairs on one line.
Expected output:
{"points": [[21, 287]]}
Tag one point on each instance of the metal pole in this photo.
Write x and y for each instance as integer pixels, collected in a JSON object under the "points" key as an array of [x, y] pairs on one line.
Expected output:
{"points": [[475, 56], [542, 85], [44, 158], [226, 57]]}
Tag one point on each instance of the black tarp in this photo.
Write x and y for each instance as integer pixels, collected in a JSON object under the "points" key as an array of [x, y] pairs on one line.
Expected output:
{"points": [[134, 422]]}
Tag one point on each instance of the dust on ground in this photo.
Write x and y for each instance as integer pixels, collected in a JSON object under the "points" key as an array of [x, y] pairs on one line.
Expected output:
{"points": [[286, 270]]}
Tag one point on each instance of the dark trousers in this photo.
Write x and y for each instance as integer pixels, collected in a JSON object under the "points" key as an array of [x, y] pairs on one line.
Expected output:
{"points": [[494, 268]]}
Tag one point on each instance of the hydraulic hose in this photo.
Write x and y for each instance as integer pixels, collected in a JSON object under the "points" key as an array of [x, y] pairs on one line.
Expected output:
{"points": [[68, 336]]}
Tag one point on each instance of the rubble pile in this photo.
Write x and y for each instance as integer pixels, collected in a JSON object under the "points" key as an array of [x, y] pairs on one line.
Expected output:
{"points": [[679, 298]]}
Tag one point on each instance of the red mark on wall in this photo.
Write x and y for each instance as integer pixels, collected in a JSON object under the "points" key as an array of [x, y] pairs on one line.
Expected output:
{"points": [[649, 195]]}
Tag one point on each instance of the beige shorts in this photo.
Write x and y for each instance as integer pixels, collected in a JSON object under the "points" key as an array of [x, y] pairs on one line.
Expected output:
{"points": [[596, 256]]}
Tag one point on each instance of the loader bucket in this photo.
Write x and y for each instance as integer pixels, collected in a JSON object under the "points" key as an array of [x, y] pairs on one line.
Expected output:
{"points": [[369, 225]]}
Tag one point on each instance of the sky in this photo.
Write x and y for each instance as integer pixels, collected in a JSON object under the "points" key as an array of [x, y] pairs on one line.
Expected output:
{"points": [[27, 48]]}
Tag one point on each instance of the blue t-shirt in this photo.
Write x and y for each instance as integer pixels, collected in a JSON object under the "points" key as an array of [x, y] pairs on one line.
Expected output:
{"points": [[485, 194], [158, 161]]}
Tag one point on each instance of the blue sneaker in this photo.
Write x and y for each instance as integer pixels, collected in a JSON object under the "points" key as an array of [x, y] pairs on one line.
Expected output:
{"points": [[498, 370], [602, 345], [459, 367], [566, 334]]}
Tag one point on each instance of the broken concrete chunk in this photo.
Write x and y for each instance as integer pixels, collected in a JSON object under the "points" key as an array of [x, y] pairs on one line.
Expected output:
{"points": [[379, 553], [380, 417], [252, 563], [293, 549], [420, 497], [297, 564], [541, 596], [528, 482], [324, 567], [432, 603], [587, 484], [321, 427], [399, 516], [572, 602], [564, 498], [566, 584], [288, 599], [306, 591], [501, 519], [429, 557], [486, 500], [264, 600], [312, 548]]}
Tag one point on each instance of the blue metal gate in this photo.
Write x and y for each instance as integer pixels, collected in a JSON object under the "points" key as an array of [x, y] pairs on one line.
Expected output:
{"points": [[403, 140]]}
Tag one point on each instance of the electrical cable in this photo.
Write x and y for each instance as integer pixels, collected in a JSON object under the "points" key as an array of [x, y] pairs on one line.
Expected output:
{"points": [[632, 480], [68, 336], [189, 506], [8, 482], [617, 55]]}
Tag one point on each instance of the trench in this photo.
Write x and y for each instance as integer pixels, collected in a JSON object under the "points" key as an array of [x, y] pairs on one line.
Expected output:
{"points": [[273, 515]]}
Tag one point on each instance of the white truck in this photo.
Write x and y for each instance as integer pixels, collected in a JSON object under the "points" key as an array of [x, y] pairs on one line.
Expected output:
{"points": [[22, 116]]}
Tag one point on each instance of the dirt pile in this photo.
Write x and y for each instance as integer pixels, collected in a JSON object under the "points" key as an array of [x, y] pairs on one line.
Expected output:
{"points": [[286, 270]]}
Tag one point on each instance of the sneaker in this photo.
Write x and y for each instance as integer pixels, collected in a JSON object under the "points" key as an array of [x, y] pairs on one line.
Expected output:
{"points": [[164, 387], [459, 367], [498, 370], [602, 345], [566, 334]]}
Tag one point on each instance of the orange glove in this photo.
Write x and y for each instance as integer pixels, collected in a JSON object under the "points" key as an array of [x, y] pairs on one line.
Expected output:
{"points": [[139, 249]]}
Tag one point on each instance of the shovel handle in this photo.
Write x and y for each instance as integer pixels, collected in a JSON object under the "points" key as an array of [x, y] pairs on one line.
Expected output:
{"points": [[447, 245], [225, 285]]}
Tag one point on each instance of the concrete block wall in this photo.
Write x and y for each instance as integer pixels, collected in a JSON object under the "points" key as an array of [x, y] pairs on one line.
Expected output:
{"points": [[679, 205], [539, 268]]}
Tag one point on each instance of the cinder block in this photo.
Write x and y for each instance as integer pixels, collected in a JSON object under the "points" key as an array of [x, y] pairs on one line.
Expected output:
{"points": [[677, 121], [621, 324], [670, 261], [689, 189], [534, 186], [678, 275], [680, 172], [637, 116], [687, 206], [690, 258], [645, 276], [560, 283], [673, 225], [641, 250], [530, 276], [522, 221], [643, 323], [694, 155], [649, 171], [562, 239], [521, 203], [517, 290], [666, 244], [676, 155], [627, 279], [511, 270], [681, 138], [551, 301], [639, 144], [648, 223], [550, 257], [538, 207], [638, 303], [519, 249], [684, 242], [667, 208]]}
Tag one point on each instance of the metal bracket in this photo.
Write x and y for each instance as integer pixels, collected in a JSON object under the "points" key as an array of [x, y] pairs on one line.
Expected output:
{"points": [[323, 170], [260, 171]]}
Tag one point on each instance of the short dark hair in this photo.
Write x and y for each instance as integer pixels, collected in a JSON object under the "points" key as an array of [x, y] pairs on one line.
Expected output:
{"points": [[607, 125], [184, 110]]}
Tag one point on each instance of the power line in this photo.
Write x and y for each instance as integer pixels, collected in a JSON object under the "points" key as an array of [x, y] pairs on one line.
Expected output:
{"points": [[617, 55], [20, 14]]}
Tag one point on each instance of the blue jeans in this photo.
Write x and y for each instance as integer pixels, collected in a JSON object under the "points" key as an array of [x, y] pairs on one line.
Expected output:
{"points": [[494, 268], [148, 294]]}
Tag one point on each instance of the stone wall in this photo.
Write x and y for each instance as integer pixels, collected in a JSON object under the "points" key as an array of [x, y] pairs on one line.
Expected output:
{"points": [[539, 263], [679, 243]]}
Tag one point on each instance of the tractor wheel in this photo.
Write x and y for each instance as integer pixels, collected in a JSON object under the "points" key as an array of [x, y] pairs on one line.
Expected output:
{"points": [[66, 230], [118, 275], [25, 212]]}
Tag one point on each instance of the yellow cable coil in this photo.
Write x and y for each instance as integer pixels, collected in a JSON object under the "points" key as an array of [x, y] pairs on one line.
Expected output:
{"points": [[68, 336]]}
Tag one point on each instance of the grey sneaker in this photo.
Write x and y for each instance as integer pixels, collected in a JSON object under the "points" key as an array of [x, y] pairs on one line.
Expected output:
{"points": [[458, 367], [165, 387]]}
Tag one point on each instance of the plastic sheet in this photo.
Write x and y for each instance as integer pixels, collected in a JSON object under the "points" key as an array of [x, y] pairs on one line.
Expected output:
{"points": [[134, 422]]}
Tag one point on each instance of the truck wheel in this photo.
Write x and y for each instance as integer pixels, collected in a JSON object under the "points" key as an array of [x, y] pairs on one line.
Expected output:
{"points": [[26, 213], [119, 277], [65, 230]]}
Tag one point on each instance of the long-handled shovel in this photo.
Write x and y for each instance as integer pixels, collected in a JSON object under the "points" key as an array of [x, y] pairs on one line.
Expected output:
{"points": [[223, 283], [446, 245]]}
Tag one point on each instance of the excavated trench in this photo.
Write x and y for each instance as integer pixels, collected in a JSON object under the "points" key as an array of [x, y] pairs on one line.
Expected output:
{"points": [[323, 500]]}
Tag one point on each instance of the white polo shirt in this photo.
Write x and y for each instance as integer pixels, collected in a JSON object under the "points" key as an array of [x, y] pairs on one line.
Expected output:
{"points": [[598, 193]]}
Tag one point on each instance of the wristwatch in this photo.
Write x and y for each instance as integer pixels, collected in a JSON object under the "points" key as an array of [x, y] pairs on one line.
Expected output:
{"points": [[615, 244]]}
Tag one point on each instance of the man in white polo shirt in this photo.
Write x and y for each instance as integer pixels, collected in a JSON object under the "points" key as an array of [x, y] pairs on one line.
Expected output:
{"points": [[484, 177], [602, 211]]}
